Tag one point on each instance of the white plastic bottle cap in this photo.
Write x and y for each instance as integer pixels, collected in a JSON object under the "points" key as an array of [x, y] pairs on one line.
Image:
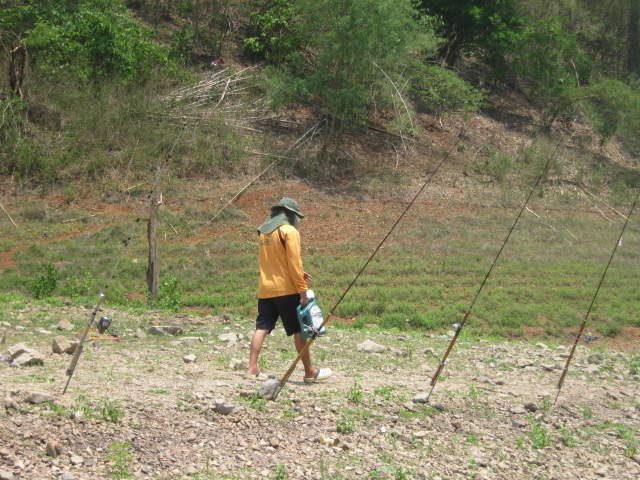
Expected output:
{"points": [[310, 294]]}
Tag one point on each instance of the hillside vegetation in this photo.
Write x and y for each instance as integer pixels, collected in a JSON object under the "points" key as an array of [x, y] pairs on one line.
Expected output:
{"points": [[349, 106]]}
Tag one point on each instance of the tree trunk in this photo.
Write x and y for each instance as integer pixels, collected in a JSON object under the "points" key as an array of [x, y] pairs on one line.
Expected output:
{"points": [[17, 64], [153, 268], [633, 42], [331, 131], [450, 51], [196, 30]]}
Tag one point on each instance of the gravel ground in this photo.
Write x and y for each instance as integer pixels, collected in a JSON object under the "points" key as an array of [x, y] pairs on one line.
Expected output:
{"points": [[178, 406]]}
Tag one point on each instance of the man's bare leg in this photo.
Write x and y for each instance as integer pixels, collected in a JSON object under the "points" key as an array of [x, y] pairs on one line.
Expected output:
{"points": [[254, 350], [309, 369]]}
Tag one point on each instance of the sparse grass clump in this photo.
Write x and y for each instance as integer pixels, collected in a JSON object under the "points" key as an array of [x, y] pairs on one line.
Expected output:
{"points": [[345, 425], [110, 410], [120, 456], [356, 394]]}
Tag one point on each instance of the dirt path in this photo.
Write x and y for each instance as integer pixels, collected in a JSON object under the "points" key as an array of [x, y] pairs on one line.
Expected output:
{"points": [[147, 412]]}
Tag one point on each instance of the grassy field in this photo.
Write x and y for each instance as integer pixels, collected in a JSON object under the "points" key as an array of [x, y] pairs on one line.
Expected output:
{"points": [[64, 239], [423, 279]]}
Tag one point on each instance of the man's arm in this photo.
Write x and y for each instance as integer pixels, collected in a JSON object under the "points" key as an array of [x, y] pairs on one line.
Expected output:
{"points": [[294, 261]]}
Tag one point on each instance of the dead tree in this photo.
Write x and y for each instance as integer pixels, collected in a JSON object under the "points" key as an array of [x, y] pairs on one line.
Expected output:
{"points": [[153, 268]]}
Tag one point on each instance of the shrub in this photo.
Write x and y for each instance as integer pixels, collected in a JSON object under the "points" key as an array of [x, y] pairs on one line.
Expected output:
{"points": [[45, 283], [442, 91], [610, 329]]}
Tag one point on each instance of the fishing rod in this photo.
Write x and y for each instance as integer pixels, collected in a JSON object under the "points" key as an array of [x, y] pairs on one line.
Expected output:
{"points": [[80, 346], [275, 386], [459, 326], [584, 321]]}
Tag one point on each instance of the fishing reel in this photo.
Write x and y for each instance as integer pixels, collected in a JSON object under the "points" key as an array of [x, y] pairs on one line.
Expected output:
{"points": [[103, 325]]}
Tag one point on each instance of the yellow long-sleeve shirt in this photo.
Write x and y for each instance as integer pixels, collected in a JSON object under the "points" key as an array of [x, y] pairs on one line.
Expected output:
{"points": [[281, 270]]}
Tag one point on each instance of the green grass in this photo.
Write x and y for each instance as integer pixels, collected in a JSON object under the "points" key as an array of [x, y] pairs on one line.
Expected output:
{"points": [[539, 434], [424, 281], [120, 455]]}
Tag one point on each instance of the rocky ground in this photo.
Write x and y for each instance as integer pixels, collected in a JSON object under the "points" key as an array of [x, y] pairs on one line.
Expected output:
{"points": [[176, 405]]}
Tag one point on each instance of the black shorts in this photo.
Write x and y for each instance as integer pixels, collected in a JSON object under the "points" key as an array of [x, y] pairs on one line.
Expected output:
{"points": [[285, 307]]}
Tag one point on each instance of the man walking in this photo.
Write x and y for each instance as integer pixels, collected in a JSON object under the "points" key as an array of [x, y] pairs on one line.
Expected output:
{"points": [[282, 285]]}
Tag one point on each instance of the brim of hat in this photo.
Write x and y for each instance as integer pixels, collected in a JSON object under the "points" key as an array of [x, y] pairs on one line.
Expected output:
{"points": [[276, 207]]}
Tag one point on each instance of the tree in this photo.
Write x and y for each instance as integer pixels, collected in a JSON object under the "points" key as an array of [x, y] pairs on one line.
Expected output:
{"points": [[203, 29], [487, 28], [270, 34], [607, 30], [86, 40], [353, 51], [553, 70]]}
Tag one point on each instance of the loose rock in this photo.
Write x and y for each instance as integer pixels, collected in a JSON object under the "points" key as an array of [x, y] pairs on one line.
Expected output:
{"points": [[371, 347]]}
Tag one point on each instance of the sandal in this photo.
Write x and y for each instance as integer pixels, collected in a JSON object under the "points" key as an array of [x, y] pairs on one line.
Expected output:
{"points": [[255, 376], [323, 374]]}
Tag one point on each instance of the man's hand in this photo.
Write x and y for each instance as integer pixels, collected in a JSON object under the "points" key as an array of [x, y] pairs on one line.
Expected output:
{"points": [[304, 299], [306, 276]]}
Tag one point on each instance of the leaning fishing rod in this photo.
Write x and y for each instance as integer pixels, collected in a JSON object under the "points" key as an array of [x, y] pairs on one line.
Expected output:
{"points": [[459, 326], [79, 347], [277, 386], [584, 321]]}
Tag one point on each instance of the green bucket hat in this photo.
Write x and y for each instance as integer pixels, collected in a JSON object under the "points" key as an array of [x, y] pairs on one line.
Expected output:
{"points": [[288, 204], [285, 213]]}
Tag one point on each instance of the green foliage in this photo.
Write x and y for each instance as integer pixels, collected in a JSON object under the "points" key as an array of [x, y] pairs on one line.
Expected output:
{"points": [[120, 455], [603, 32], [587, 412], [634, 364], [355, 394], [107, 129], [624, 432], [610, 329], [384, 392], [46, 282], [442, 91], [281, 472], [58, 410], [568, 438], [81, 285], [356, 62], [202, 29], [495, 165], [484, 28], [82, 405], [345, 425], [256, 401], [11, 123], [553, 67], [614, 110], [402, 473], [90, 40], [170, 295], [110, 410], [540, 436], [271, 33]]}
